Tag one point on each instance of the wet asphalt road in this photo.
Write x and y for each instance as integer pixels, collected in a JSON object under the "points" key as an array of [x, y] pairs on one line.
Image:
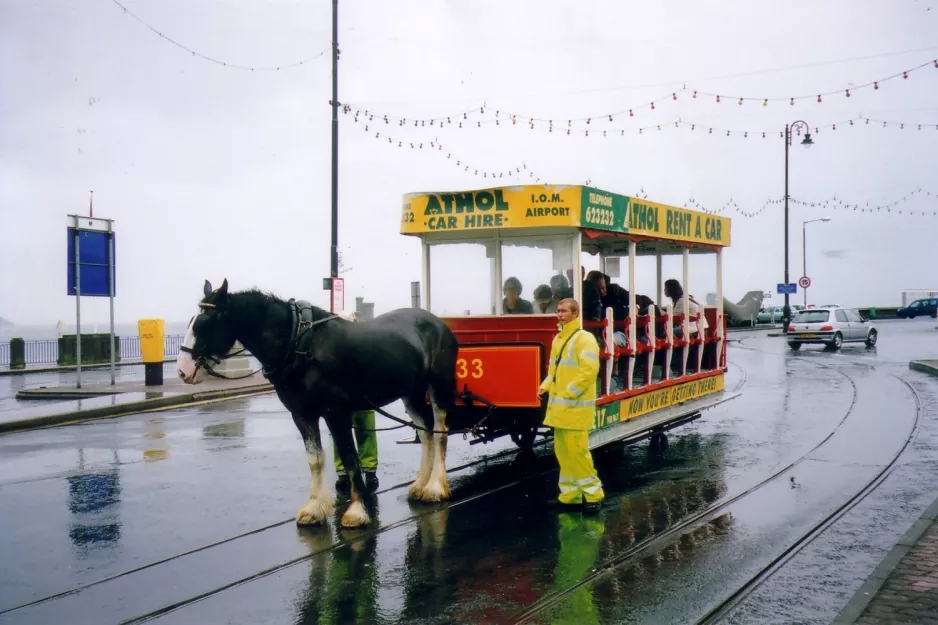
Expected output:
{"points": [[203, 498]]}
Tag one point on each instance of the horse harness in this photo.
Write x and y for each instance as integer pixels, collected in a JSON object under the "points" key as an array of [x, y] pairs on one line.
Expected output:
{"points": [[300, 342]]}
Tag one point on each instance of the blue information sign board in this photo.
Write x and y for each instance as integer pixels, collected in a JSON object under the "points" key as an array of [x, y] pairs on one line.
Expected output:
{"points": [[93, 257], [787, 288]]}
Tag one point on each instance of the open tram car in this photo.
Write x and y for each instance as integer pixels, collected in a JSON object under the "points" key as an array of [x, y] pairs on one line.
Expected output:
{"points": [[472, 240]]}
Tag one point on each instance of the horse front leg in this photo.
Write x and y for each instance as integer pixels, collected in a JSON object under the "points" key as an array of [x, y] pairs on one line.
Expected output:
{"points": [[340, 426], [320, 503], [437, 488], [418, 414]]}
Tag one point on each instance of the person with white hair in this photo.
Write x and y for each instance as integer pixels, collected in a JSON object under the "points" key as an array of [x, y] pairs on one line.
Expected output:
{"points": [[366, 440]]}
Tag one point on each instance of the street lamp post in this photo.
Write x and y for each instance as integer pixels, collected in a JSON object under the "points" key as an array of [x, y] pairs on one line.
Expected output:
{"points": [[804, 252], [807, 142]]}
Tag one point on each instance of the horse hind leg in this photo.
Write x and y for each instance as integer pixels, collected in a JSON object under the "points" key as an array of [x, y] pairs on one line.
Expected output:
{"points": [[419, 414], [437, 488]]}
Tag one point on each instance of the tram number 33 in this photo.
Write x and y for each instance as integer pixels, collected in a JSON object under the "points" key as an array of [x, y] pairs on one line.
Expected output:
{"points": [[600, 216], [463, 368]]}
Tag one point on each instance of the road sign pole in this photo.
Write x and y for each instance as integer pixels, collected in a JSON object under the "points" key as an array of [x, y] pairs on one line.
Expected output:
{"points": [[110, 271], [77, 307]]}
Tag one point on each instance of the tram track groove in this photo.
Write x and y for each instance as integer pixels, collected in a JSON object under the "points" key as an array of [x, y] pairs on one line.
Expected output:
{"points": [[688, 524], [494, 457], [728, 605]]}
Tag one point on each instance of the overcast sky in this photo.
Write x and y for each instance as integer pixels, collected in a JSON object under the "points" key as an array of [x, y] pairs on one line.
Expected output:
{"points": [[213, 172]]}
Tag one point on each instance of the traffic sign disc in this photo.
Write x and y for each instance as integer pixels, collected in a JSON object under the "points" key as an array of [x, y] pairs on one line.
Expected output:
{"points": [[804, 282]]}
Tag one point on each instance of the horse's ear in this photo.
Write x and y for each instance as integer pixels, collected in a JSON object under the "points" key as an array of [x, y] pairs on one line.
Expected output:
{"points": [[207, 289], [223, 289]]}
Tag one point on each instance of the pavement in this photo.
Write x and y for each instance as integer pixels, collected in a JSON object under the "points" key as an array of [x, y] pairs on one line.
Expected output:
{"points": [[56, 404]]}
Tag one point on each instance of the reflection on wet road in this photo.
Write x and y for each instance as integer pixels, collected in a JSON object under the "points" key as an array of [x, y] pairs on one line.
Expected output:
{"points": [[101, 500]]}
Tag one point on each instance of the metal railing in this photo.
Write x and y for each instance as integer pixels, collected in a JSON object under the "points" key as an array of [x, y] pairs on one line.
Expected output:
{"points": [[46, 352]]}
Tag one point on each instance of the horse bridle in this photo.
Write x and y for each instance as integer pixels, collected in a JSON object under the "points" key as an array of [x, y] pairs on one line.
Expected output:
{"points": [[201, 362]]}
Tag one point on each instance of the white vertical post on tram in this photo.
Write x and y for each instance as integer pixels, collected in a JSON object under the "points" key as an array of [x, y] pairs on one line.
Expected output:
{"points": [[721, 333], [498, 279], [425, 271], [577, 282], [685, 326], [659, 296], [632, 313]]}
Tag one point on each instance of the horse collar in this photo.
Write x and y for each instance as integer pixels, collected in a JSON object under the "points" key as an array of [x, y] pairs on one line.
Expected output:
{"points": [[301, 322]]}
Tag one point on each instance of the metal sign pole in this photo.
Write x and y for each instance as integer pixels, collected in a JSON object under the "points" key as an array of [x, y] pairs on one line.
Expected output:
{"points": [[110, 269], [77, 306]]}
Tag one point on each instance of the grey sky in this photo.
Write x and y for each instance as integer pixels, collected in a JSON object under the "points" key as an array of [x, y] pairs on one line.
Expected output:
{"points": [[216, 172]]}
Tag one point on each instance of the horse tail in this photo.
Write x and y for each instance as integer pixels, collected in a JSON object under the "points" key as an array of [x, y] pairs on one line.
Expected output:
{"points": [[442, 367]]}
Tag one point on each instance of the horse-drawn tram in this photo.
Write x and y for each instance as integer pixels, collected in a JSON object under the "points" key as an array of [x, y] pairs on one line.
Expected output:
{"points": [[484, 251]]}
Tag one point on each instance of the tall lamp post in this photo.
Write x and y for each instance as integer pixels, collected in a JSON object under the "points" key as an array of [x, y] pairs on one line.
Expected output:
{"points": [[804, 252], [807, 142]]}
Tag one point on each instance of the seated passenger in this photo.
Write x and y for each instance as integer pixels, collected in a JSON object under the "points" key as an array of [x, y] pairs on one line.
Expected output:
{"points": [[672, 289], [513, 304], [593, 289], [544, 302], [560, 288]]}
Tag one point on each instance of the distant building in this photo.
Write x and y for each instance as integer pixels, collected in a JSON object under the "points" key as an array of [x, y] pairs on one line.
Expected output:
{"points": [[364, 310]]}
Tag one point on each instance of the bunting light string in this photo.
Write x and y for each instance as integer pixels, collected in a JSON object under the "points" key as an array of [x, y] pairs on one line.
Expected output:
{"points": [[420, 122], [565, 125], [732, 204], [214, 60], [836, 203], [602, 132], [436, 146]]}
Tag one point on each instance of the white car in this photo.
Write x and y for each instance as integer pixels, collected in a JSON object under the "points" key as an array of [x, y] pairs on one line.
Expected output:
{"points": [[832, 326]]}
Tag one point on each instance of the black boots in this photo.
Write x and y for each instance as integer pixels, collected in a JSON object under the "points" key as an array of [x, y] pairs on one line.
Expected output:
{"points": [[371, 482]]}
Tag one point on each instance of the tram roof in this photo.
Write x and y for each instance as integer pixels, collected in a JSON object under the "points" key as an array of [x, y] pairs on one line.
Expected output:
{"points": [[597, 213]]}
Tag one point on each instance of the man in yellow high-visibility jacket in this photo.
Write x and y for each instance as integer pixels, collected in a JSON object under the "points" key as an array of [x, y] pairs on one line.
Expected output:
{"points": [[571, 406]]}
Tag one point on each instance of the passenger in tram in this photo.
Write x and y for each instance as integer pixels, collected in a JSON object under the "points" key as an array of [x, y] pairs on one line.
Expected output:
{"points": [[513, 304], [672, 289], [560, 288], [544, 302], [593, 289]]}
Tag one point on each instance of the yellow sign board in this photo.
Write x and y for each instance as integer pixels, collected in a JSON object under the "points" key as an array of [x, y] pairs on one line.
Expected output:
{"points": [[570, 206], [644, 403], [677, 224], [507, 207]]}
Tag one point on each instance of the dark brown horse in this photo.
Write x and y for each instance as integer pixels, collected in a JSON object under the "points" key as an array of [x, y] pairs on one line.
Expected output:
{"points": [[324, 366]]}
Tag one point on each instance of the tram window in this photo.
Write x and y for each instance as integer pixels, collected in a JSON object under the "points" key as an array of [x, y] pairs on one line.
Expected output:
{"points": [[461, 278], [532, 262]]}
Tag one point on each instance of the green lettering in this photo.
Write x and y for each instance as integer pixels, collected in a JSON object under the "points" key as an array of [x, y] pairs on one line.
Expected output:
{"points": [[447, 203], [697, 229], [500, 203], [464, 203], [433, 206], [484, 200]]}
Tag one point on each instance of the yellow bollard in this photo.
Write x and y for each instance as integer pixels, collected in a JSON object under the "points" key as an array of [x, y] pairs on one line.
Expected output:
{"points": [[152, 349]]}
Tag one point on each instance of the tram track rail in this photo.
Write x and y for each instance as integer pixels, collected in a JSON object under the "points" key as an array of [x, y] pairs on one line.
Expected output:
{"points": [[688, 524], [730, 603]]}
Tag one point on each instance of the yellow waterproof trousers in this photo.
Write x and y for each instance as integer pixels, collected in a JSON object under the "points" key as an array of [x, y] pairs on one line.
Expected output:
{"points": [[578, 478]]}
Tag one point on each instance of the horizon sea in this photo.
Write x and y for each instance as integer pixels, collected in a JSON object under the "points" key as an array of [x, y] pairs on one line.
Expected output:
{"points": [[49, 332]]}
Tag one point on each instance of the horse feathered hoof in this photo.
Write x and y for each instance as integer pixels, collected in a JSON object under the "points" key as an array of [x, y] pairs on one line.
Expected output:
{"points": [[356, 515], [315, 512], [431, 492]]}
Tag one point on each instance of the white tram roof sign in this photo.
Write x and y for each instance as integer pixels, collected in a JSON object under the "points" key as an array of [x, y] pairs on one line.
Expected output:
{"points": [[596, 212]]}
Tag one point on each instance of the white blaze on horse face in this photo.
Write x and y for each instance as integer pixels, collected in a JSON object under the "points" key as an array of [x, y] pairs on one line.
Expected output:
{"points": [[185, 364]]}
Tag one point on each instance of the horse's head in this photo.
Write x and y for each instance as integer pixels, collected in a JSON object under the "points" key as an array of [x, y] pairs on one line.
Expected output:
{"points": [[209, 337]]}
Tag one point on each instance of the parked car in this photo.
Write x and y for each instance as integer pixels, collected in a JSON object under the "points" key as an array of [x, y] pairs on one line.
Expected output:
{"points": [[832, 326], [920, 307], [773, 314]]}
